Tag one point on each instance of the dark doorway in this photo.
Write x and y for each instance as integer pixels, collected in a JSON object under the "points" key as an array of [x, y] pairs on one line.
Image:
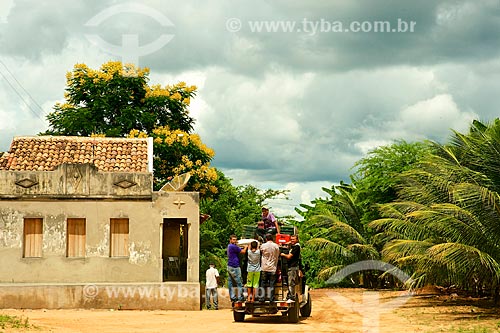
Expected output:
{"points": [[175, 249]]}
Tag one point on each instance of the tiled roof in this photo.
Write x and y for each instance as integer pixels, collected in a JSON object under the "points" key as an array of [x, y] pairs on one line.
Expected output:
{"points": [[45, 153]]}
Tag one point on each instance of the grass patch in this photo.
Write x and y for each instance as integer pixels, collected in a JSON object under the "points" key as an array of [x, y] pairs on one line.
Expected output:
{"points": [[7, 321], [465, 330]]}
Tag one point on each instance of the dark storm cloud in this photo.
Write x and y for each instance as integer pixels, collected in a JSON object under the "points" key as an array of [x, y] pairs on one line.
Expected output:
{"points": [[280, 108]]}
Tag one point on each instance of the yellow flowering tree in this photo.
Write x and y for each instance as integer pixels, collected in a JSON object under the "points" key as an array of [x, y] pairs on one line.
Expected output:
{"points": [[115, 99], [177, 152]]}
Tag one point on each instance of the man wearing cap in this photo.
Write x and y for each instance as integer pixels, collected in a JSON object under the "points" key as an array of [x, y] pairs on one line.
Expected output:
{"points": [[212, 275], [270, 222]]}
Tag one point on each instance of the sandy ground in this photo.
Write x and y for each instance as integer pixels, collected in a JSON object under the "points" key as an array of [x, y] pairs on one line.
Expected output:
{"points": [[334, 310]]}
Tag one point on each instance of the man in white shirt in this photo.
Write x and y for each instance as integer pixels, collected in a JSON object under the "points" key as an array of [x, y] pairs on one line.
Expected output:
{"points": [[212, 275], [270, 253]]}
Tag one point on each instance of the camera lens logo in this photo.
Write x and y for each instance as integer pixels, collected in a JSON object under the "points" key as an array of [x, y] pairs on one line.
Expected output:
{"points": [[130, 51], [370, 308], [90, 291]]}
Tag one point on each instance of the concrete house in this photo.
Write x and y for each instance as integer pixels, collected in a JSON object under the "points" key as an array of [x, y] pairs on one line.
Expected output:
{"points": [[80, 226]]}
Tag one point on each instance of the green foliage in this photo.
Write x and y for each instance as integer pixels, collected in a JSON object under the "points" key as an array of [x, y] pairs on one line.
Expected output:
{"points": [[336, 228], [7, 322], [445, 230], [436, 206], [117, 99], [334, 232], [230, 209], [177, 152], [377, 176]]}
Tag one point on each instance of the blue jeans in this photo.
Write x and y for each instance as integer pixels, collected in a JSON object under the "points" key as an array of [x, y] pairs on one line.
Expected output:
{"points": [[213, 292], [235, 279], [267, 280]]}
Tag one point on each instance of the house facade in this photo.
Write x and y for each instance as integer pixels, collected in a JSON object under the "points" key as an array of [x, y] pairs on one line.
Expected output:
{"points": [[80, 226]]}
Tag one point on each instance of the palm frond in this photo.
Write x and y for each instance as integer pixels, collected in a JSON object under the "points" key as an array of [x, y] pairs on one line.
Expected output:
{"points": [[402, 248], [465, 259], [328, 272], [364, 251], [329, 248], [404, 228]]}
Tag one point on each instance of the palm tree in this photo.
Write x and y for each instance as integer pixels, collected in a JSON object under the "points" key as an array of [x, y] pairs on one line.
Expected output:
{"points": [[446, 228], [339, 236]]}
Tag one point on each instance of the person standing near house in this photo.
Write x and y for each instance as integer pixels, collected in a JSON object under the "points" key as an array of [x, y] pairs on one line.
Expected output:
{"points": [[253, 269], [270, 223], [212, 276], [234, 270], [269, 264], [293, 260]]}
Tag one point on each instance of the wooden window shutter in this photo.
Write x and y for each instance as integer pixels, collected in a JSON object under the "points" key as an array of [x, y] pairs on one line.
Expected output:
{"points": [[33, 237], [119, 237], [76, 234]]}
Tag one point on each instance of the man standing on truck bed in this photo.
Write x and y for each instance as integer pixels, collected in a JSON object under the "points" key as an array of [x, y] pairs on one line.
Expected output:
{"points": [[293, 258], [234, 270], [270, 254], [270, 223]]}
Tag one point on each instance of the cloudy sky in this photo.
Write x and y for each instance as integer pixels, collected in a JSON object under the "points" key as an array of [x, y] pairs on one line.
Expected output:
{"points": [[291, 93]]}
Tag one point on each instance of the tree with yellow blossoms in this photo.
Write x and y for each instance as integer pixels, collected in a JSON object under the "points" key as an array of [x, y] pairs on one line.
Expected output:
{"points": [[116, 99], [177, 152]]}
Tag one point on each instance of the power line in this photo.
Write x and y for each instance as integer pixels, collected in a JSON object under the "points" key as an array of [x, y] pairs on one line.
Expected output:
{"points": [[29, 105]]}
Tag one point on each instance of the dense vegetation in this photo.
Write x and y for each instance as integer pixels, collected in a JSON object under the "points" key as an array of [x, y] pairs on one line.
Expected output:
{"points": [[434, 213]]}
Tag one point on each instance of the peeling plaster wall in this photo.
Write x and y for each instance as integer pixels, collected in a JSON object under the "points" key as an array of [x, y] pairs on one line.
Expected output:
{"points": [[80, 191], [143, 265], [75, 180], [10, 230]]}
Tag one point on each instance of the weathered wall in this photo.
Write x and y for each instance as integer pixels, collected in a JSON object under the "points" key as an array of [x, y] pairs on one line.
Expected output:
{"points": [[144, 263], [75, 180], [144, 296], [80, 191], [145, 218], [183, 205]]}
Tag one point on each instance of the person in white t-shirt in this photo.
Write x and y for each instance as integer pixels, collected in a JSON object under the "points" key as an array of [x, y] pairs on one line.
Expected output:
{"points": [[212, 275], [269, 263]]}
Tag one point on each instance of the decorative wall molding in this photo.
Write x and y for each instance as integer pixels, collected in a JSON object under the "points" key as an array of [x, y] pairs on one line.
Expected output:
{"points": [[26, 183], [125, 183]]}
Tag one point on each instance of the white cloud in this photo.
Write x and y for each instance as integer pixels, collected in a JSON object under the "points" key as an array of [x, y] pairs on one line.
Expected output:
{"points": [[433, 118], [5, 8], [369, 145]]}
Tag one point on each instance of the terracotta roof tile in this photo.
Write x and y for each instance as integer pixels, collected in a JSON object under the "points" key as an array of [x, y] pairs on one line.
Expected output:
{"points": [[45, 153]]}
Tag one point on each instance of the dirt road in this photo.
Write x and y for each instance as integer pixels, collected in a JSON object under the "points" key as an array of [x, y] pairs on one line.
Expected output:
{"points": [[337, 310]]}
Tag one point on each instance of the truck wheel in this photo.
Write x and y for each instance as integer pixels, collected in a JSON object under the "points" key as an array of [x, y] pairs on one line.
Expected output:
{"points": [[305, 311], [293, 312], [238, 316]]}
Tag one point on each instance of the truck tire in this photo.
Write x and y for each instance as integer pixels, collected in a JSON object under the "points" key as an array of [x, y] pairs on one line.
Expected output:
{"points": [[238, 316], [293, 312], [305, 311]]}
